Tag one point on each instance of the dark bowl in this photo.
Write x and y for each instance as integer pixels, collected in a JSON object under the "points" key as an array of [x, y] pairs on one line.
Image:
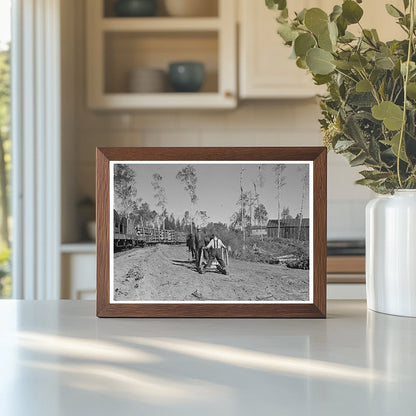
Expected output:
{"points": [[186, 76], [135, 8]]}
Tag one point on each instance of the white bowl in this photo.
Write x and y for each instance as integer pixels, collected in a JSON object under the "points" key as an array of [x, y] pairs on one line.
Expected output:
{"points": [[191, 8], [147, 80]]}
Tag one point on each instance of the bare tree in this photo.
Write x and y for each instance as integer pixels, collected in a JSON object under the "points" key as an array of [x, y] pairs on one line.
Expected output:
{"points": [[260, 215], [202, 218], [189, 178], [160, 196], [125, 190], [280, 182], [305, 181]]}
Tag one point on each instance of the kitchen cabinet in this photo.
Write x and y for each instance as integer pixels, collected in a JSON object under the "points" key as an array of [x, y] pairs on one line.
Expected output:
{"points": [[265, 70], [78, 262], [118, 45]]}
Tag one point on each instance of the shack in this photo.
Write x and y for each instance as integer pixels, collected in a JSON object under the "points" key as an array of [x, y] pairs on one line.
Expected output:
{"points": [[289, 228]]}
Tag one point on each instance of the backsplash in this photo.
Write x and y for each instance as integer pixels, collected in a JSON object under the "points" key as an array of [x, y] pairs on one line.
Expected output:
{"points": [[288, 123]]}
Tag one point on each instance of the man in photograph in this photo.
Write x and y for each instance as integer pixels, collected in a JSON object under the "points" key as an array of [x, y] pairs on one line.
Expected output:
{"points": [[214, 248], [201, 240]]}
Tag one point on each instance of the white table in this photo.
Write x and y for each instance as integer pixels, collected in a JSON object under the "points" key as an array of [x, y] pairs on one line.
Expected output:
{"points": [[57, 358]]}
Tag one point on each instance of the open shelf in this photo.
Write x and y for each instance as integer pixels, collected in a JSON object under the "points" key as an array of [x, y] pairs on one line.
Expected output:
{"points": [[168, 100], [119, 45], [211, 9], [160, 24], [126, 51]]}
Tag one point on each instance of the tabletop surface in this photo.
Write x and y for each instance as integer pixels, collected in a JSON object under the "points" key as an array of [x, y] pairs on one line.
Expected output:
{"points": [[57, 358]]}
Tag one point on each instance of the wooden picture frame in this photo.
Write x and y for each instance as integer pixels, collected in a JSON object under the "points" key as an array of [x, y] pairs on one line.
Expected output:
{"points": [[315, 157]]}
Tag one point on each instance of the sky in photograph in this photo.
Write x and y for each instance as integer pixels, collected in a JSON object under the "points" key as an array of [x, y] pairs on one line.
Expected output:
{"points": [[5, 20], [218, 188]]}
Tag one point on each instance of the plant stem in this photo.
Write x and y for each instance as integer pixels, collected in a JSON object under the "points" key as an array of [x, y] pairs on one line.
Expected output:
{"points": [[346, 75], [406, 80]]}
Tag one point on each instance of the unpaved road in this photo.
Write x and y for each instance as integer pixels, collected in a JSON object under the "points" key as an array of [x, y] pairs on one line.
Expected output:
{"points": [[163, 273]]}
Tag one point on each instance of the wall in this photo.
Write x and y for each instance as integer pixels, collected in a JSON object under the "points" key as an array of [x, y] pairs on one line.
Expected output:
{"points": [[254, 123]]}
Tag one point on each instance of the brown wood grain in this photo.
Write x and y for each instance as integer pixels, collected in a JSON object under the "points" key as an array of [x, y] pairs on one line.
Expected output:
{"points": [[346, 264], [317, 309]]}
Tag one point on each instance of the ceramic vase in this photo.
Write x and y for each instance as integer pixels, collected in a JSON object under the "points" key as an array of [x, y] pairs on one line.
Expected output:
{"points": [[391, 253]]}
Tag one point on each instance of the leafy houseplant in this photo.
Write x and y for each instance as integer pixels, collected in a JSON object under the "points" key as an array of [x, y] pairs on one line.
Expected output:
{"points": [[369, 113]]}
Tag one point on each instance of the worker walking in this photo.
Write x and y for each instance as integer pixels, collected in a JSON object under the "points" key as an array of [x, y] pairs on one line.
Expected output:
{"points": [[215, 247], [199, 246]]}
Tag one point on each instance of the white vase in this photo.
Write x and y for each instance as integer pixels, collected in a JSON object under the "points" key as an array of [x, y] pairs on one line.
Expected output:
{"points": [[391, 253]]}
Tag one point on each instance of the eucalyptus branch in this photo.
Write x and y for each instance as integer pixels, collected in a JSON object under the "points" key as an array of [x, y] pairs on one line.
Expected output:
{"points": [[406, 80], [346, 75], [373, 88]]}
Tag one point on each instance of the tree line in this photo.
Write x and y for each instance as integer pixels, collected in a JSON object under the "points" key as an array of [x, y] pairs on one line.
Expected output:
{"points": [[250, 210], [129, 205]]}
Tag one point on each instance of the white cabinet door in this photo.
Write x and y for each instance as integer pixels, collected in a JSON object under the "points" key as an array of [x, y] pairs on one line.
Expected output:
{"points": [[265, 68], [78, 276]]}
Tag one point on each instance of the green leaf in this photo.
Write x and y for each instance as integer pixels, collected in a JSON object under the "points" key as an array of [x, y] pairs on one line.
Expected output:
{"points": [[303, 43], [343, 145], [374, 175], [393, 11], [351, 11], [287, 33], [384, 62], [276, 4], [301, 63], [411, 90], [345, 65], [342, 25], [336, 12], [368, 36], [363, 86], [358, 160], [375, 35], [321, 79], [365, 182], [354, 132], [412, 67], [319, 61], [374, 150], [316, 20], [325, 42], [347, 37], [358, 61], [388, 112], [301, 15], [333, 32], [394, 145]]}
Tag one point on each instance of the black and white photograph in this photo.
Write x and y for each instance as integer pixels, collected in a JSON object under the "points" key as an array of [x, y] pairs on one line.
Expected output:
{"points": [[211, 232]]}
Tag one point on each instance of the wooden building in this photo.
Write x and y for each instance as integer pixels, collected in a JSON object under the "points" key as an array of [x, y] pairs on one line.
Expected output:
{"points": [[289, 228], [258, 231]]}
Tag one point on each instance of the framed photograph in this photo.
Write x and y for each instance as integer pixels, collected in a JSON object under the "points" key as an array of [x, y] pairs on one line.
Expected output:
{"points": [[211, 232]]}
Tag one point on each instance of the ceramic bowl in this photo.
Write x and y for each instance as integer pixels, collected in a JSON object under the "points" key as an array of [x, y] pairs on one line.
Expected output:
{"points": [[186, 76], [135, 8], [147, 80]]}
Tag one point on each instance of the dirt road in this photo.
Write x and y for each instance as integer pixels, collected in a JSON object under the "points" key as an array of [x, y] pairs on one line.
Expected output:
{"points": [[164, 273]]}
